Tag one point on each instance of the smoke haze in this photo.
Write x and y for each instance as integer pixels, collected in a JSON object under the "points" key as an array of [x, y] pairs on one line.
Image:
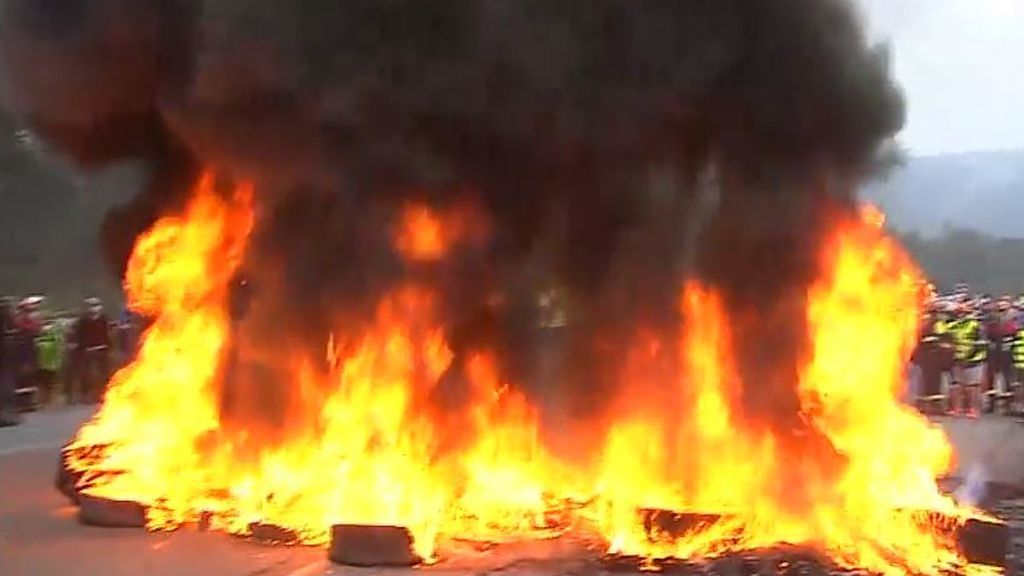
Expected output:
{"points": [[615, 146]]}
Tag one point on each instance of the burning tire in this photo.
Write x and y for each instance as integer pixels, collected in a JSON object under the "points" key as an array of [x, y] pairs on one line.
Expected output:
{"points": [[984, 542], [675, 524], [365, 546], [107, 513]]}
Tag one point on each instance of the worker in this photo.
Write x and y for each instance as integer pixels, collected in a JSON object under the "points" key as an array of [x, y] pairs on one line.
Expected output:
{"points": [[9, 415], [93, 348], [1001, 330], [28, 324], [50, 355], [1018, 364], [970, 355], [934, 354]]}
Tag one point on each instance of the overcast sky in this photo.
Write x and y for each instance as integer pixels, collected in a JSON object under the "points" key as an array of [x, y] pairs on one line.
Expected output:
{"points": [[961, 64]]}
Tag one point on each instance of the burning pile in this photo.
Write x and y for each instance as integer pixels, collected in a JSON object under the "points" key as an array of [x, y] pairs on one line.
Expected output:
{"points": [[351, 339], [366, 448]]}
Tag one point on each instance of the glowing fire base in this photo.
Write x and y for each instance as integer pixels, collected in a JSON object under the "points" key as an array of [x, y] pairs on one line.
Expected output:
{"points": [[985, 541], [980, 541]]}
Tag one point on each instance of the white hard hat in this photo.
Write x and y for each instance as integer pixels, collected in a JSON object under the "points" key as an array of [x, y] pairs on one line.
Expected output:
{"points": [[32, 301]]}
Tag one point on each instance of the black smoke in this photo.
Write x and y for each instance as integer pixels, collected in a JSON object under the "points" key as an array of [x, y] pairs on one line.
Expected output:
{"points": [[592, 131]]}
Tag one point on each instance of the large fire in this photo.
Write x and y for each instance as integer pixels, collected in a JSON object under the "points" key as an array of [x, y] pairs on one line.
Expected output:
{"points": [[364, 446]]}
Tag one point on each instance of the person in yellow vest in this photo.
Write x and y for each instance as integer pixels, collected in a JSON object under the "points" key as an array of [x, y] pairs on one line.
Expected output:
{"points": [[1018, 365], [50, 356], [971, 355]]}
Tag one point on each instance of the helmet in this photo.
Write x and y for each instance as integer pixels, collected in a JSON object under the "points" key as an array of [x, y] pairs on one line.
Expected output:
{"points": [[32, 301]]}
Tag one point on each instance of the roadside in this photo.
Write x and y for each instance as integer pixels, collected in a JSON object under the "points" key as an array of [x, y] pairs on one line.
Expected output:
{"points": [[992, 447], [50, 428]]}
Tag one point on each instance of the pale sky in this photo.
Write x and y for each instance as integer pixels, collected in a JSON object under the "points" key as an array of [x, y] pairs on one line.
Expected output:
{"points": [[961, 65]]}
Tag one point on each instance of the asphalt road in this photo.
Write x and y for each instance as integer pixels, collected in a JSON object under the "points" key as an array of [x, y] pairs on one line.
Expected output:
{"points": [[40, 536], [992, 446]]}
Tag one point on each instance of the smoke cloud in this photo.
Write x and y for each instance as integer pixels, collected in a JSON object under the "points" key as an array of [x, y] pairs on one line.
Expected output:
{"points": [[615, 145]]}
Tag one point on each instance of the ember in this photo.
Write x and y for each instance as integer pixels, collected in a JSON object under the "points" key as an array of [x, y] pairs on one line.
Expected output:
{"points": [[346, 235]]}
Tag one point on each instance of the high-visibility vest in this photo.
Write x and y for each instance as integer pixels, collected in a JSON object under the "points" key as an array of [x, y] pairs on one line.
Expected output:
{"points": [[50, 349], [970, 348], [1018, 350]]}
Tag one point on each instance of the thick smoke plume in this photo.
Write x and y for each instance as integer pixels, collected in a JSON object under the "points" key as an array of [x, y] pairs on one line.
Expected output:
{"points": [[616, 146]]}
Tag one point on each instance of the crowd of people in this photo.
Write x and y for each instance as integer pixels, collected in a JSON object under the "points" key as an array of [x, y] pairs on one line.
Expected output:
{"points": [[970, 357], [49, 358]]}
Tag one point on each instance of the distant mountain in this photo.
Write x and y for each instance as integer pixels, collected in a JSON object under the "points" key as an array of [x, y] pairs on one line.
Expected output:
{"points": [[982, 191]]}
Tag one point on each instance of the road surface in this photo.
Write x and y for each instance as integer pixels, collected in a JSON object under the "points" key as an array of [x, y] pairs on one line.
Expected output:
{"points": [[40, 536], [993, 446]]}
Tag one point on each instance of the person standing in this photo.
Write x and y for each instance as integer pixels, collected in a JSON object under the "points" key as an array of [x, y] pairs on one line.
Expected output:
{"points": [[971, 355], [8, 406], [932, 354], [93, 347], [50, 351], [1002, 334], [28, 325], [1018, 368]]}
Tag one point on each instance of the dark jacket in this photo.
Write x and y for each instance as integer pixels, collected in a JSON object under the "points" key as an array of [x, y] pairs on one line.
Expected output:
{"points": [[92, 332], [8, 335], [24, 353]]}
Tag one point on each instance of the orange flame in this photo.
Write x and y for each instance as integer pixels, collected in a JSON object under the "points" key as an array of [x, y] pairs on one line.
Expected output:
{"points": [[159, 409], [425, 235], [371, 444], [862, 318]]}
